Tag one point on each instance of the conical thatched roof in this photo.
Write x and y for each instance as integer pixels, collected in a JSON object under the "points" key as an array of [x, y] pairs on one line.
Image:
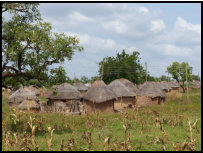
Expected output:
{"points": [[164, 85], [80, 87], [65, 91], [128, 84], [29, 105], [174, 84], [196, 84], [139, 86], [33, 89], [150, 89], [22, 94], [120, 89], [99, 92]]}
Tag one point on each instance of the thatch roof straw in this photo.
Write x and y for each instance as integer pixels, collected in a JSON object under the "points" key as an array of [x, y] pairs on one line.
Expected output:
{"points": [[29, 105], [120, 89], [164, 85], [22, 94], [99, 92], [151, 89], [65, 91], [128, 84], [139, 86], [196, 84], [174, 84], [80, 86], [34, 89]]}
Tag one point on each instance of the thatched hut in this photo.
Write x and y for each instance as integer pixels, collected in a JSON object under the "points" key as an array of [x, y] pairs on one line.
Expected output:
{"points": [[99, 98], [174, 85], [149, 94], [81, 87], [196, 84], [34, 89], [29, 105], [128, 84], [165, 86], [65, 99], [22, 94], [126, 98]]}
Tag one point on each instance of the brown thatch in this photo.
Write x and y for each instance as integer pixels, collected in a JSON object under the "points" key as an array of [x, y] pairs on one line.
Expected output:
{"points": [[150, 89], [65, 92], [174, 85], [99, 92], [29, 105], [164, 86], [80, 87], [22, 94], [120, 89], [128, 84], [196, 84], [34, 89]]}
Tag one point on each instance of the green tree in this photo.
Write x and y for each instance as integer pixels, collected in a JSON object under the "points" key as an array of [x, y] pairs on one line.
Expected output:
{"points": [[94, 78], [196, 77], [84, 79], [163, 78], [28, 44], [123, 66], [178, 72], [58, 76]]}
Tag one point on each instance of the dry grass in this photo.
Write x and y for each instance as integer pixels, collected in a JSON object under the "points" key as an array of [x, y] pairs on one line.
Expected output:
{"points": [[173, 126]]}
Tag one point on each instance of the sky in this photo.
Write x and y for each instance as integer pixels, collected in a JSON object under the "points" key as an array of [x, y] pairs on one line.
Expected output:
{"points": [[161, 32]]}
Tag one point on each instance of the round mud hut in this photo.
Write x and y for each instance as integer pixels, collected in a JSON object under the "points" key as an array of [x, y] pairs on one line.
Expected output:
{"points": [[23, 93], [126, 98], [65, 99], [149, 94], [81, 88], [99, 98], [29, 105]]}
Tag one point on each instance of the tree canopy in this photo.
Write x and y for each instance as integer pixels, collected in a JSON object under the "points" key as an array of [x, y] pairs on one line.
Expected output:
{"points": [[29, 46], [178, 72], [123, 66]]}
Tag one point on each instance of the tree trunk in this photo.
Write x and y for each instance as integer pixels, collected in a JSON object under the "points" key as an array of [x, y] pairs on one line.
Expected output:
{"points": [[182, 86]]}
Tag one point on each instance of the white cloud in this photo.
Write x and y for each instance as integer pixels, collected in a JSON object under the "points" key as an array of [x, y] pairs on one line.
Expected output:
{"points": [[183, 25], [116, 26], [106, 28], [143, 10], [76, 18], [157, 26]]}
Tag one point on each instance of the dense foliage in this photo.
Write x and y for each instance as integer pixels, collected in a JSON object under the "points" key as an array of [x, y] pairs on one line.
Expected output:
{"points": [[122, 66], [178, 72], [28, 44]]}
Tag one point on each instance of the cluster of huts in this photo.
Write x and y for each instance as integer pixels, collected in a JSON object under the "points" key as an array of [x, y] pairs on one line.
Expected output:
{"points": [[99, 97]]}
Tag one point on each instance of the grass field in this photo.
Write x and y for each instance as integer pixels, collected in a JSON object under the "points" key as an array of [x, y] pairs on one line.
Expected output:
{"points": [[175, 125]]}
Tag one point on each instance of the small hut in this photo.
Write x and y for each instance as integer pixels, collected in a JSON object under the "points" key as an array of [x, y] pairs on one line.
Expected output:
{"points": [[64, 99], [126, 98], [196, 84], [174, 85], [165, 86], [149, 94], [128, 84], [34, 89], [29, 105], [23, 93], [81, 87], [99, 98]]}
